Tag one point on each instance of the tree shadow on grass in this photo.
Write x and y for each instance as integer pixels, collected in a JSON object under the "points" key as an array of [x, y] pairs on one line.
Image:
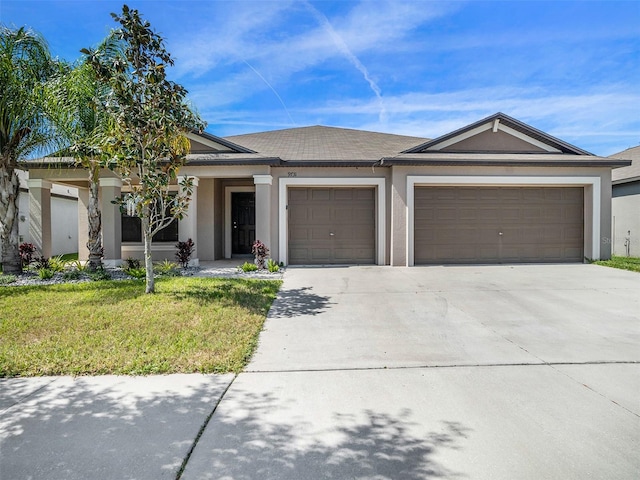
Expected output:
{"points": [[297, 302], [253, 295]]}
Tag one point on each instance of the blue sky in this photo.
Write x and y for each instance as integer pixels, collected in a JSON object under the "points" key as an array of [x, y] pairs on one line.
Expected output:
{"points": [[571, 69]]}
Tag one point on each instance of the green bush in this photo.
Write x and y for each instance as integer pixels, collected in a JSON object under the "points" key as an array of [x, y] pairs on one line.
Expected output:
{"points": [[167, 268], [71, 275], [57, 264], [100, 274], [78, 265], [248, 267], [139, 272], [7, 279], [272, 266], [45, 273]]}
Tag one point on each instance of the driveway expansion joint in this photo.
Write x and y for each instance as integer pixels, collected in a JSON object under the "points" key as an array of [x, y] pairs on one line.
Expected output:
{"points": [[201, 431], [541, 363]]}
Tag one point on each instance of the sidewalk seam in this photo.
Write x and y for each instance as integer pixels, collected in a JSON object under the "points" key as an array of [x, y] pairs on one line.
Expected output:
{"points": [[201, 431], [541, 363], [25, 397]]}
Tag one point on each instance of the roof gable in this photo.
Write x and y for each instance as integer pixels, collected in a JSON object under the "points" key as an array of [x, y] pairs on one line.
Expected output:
{"points": [[631, 172], [204, 142], [498, 133]]}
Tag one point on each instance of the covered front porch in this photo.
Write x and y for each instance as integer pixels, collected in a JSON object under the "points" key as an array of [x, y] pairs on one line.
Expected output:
{"points": [[230, 208]]}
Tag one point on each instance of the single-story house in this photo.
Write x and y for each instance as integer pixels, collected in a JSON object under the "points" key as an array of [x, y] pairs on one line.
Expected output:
{"points": [[495, 191], [64, 217], [625, 205]]}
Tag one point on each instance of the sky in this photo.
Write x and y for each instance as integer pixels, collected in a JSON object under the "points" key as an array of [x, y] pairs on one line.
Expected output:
{"points": [[420, 68]]}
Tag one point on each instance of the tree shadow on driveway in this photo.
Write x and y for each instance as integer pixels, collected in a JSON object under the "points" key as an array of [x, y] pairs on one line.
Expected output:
{"points": [[252, 437], [298, 302]]}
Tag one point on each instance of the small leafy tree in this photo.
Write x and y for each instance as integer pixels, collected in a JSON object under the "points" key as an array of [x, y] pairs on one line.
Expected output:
{"points": [[151, 118]]}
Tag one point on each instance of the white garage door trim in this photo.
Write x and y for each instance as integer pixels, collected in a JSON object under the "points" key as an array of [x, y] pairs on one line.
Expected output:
{"points": [[283, 220], [455, 180]]}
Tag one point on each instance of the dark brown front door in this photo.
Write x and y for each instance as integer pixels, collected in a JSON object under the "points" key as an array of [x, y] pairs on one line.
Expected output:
{"points": [[243, 218]]}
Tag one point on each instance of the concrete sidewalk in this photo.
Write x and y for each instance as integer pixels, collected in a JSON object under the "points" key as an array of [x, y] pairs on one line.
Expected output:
{"points": [[503, 372], [109, 427]]}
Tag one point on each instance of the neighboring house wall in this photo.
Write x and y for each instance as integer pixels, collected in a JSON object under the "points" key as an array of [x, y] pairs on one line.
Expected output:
{"points": [[625, 218], [64, 217]]}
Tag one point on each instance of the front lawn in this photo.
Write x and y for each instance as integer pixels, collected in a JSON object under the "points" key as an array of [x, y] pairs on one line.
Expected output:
{"points": [[191, 324], [625, 263]]}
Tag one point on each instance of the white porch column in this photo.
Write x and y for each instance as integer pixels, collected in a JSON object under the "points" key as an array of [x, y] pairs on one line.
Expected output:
{"points": [[110, 189], [40, 215], [263, 210], [83, 224], [188, 226]]}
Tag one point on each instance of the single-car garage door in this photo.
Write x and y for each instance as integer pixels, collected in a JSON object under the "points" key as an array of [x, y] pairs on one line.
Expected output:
{"points": [[501, 224], [331, 226]]}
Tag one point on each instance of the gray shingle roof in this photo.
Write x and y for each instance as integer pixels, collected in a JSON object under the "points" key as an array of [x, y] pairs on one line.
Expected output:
{"points": [[320, 143], [630, 173]]}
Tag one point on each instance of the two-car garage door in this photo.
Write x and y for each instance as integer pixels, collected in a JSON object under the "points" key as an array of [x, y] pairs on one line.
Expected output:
{"points": [[498, 224]]}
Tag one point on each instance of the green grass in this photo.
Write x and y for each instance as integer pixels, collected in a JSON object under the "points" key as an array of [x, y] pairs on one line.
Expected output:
{"points": [[68, 257], [190, 324], [625, 263]]}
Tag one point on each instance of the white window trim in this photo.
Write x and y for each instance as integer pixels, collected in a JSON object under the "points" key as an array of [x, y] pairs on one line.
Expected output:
{"points": [[227, 215], [283, 218], [455, 180]]}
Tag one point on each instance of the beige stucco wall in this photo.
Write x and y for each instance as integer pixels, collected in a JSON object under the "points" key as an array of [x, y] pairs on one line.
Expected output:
{"points": [[212, 182], [626, 224]]}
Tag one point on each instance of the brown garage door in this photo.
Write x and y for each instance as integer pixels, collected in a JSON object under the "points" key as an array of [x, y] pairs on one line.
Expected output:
{"points": [[331, 226], [495, 225]]}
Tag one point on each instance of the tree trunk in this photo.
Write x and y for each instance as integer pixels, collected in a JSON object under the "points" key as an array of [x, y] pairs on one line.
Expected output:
{"points": [[148, 261], [94, 242], [9, 238]]}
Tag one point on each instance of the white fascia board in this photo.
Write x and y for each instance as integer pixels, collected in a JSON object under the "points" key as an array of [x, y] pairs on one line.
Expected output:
{"points": [[206, 142], [526, 138], [463, 136], [515, 181], [283, 217]]}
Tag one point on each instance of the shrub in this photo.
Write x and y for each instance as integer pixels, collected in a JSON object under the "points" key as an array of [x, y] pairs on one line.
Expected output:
{"points": [[272, 266], [184, 252], [78, 266], [167, 268], [57, 264], [41, 263], [248, 267], [261, 253], [45, 273], [132, 263], [6, 279], [139, 272], [100, 274], [71, 274], [26, 253]]}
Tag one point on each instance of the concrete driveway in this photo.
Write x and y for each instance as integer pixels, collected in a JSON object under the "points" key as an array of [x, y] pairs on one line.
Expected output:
{"points": [[489, 372]]}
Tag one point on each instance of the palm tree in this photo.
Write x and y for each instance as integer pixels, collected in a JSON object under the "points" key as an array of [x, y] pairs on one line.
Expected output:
{"points": [[25, 64], [76, 105]]}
